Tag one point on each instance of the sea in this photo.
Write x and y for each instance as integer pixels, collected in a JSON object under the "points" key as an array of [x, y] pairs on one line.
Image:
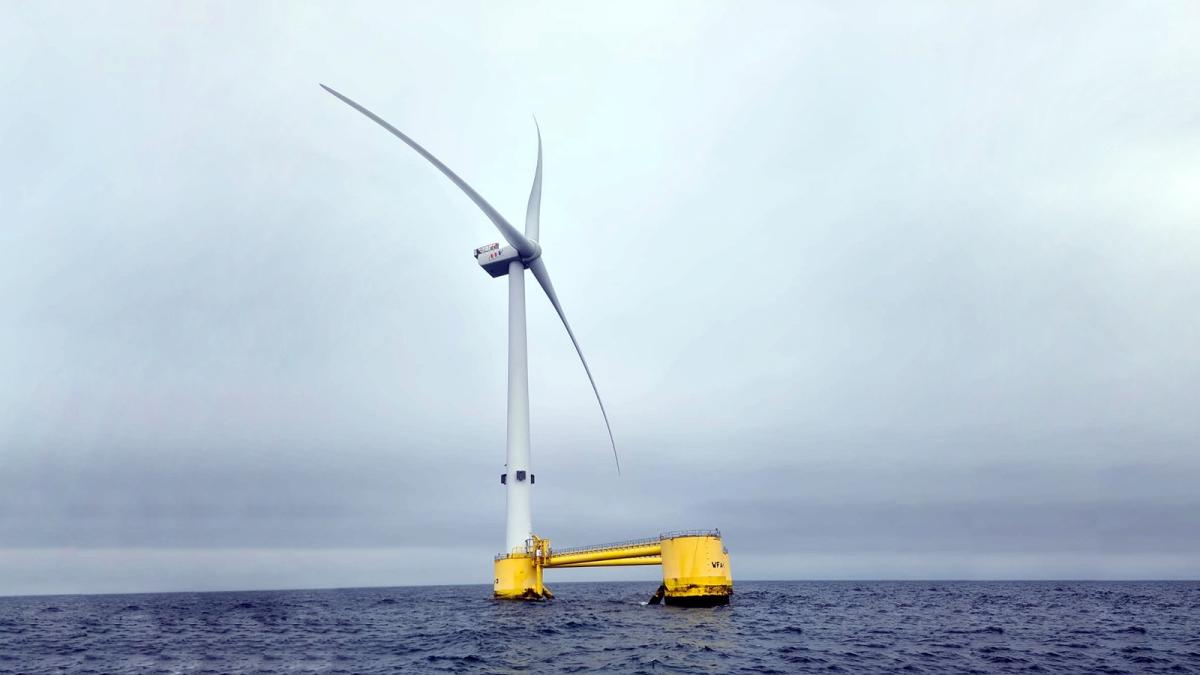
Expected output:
{"points": [[770, 627]]}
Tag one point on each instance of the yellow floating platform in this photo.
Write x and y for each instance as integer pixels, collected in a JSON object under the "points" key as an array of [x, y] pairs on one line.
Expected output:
{"points": [[695, 566]]}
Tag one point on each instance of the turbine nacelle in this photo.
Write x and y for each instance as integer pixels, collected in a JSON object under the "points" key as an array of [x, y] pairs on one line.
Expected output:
{"points": [[494, 258]]}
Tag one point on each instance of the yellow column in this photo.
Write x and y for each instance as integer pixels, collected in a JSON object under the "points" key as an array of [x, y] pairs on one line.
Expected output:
{"points": [[517, 579], [518, 576], [696, 571]]}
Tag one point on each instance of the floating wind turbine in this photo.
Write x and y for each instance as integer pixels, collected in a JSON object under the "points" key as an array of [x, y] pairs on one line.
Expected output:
{"points": [[523, 252]]}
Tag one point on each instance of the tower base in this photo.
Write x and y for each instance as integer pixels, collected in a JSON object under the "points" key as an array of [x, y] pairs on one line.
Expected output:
{"points": [[518, 578]]}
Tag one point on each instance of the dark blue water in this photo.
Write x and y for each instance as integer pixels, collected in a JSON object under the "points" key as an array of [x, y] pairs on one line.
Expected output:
{"points": [[770, 627]]}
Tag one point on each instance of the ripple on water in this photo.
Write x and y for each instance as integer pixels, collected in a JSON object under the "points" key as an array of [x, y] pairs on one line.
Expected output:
{"points": [[771, 627]]}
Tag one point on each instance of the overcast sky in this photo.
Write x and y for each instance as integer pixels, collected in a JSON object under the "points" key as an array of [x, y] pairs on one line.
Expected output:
{"points": [[881, 290]]}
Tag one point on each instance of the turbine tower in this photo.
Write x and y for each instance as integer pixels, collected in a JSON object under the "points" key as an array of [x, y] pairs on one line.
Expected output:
{"points": [[522, 252]]}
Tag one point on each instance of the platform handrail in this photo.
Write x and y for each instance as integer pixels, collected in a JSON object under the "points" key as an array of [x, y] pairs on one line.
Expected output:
{"points": [[714, 532], [628, 543]]}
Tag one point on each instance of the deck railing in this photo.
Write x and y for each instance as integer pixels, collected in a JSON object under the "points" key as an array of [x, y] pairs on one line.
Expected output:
{"points": [[628, 543]]}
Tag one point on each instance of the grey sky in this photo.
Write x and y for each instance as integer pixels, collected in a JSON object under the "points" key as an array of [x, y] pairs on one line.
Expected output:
{"points": [[888, 291]]}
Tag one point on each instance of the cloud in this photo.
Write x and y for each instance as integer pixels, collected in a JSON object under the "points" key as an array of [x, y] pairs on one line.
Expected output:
{"points": [[915, 282]]}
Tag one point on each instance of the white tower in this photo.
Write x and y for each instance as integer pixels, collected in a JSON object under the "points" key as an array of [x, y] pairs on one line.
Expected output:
{"points": [[518, 471]]}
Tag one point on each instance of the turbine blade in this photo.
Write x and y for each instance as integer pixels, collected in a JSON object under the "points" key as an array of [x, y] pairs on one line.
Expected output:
{"points": [[510, 233], [533, 213], [539, 272]]}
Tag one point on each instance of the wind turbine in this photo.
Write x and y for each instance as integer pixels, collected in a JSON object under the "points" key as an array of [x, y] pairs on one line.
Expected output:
{"points": [[522, 252]]}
